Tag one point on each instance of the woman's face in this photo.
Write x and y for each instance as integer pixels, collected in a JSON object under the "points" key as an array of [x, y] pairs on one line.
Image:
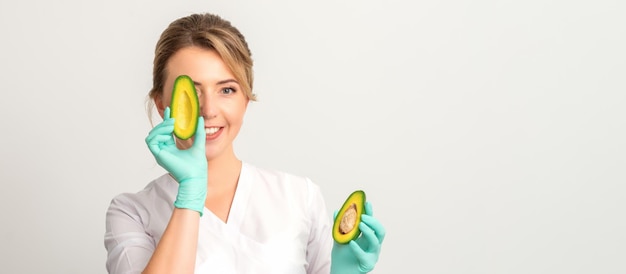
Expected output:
{"points": [[222, 103]]}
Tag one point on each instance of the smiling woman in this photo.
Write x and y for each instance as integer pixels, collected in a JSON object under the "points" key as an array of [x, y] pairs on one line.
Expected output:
{"points": [[213, 212]]}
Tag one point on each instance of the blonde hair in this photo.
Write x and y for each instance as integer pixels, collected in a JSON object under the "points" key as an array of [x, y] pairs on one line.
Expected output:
{"points": [[207, 31]]}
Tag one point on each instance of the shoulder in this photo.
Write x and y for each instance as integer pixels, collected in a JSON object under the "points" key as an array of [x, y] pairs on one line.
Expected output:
{"points": [[159, 191], [146, 211]]}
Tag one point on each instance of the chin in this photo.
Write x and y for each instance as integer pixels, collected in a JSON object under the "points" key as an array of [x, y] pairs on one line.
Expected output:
{"points": [[212, 154]]}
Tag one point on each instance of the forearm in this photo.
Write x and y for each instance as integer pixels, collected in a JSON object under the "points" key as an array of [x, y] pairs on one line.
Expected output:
{"points": [[176, 251]]}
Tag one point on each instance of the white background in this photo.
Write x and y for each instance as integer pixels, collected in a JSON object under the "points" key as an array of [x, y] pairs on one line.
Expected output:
{"points": [[488, 135]]}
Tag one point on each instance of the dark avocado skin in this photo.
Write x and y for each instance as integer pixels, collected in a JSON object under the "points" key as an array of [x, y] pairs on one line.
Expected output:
{"points": [[357, 198]]}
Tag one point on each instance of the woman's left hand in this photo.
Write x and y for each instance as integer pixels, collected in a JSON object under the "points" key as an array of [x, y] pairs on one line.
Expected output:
{"points": [[360, 255]]}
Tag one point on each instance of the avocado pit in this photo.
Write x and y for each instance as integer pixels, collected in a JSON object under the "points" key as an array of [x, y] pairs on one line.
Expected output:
{"points": [[348, 222]]}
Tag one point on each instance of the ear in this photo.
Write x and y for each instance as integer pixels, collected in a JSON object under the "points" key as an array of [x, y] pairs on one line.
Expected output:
{"points": [[158, 102]]}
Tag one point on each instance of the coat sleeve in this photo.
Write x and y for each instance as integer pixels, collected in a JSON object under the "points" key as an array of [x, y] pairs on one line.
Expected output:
{"points": [[128, 245], [320, 239]]}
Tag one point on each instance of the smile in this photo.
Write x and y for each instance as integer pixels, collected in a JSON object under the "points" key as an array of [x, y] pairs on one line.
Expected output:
{"points": [[211, 130]]}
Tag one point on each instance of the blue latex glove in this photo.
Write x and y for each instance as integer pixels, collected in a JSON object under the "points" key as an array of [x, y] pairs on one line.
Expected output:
{"points": [[360, 255], [188, 166]]}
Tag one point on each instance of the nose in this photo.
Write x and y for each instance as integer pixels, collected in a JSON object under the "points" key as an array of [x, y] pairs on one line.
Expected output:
{"points": [[208, 107]]}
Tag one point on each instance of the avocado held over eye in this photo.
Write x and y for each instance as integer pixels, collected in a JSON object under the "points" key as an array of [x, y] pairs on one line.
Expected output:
{"points": [[346, 224], [184, 107]]}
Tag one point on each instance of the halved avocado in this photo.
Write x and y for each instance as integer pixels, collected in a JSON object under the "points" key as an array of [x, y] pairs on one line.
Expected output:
{"points": [[184, 107], [346, 225]]}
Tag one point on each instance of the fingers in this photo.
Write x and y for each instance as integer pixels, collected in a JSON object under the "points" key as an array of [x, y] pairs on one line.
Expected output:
{"points": [[161, 131], [157, 142], [366, 261], [372, 243], [367, 248], [200, 136], [375, 226], [166, 113], [164, 128], [358, 252], [368, 209], [160, 136], [372, 222]]}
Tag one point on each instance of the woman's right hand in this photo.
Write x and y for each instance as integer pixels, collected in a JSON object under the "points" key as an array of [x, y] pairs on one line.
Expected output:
{"points": [[188, 166]]}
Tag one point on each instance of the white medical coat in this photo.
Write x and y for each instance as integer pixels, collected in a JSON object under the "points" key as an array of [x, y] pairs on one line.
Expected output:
{"points": [[277, 223]]}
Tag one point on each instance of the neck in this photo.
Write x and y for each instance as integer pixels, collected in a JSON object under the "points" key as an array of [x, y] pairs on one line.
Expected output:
{"points": [[224, 171]]}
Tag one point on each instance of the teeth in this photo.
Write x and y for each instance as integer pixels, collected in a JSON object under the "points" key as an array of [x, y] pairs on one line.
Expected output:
{"points": [[211, 130]]}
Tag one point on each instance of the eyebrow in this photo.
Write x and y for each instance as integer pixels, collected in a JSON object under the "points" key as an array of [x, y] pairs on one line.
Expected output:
{"points": [[227, 81], [219, 83]]}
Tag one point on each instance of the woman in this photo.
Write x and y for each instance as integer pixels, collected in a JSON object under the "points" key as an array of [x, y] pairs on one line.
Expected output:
{"points": [[213, 213]]}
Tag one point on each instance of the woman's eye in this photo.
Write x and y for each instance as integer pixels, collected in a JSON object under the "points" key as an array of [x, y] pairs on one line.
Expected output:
{"points": [[228, 90]]}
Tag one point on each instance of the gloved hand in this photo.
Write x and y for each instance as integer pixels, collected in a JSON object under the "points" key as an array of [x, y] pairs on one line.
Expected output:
{"points": [[360, 255], [188, 166]]}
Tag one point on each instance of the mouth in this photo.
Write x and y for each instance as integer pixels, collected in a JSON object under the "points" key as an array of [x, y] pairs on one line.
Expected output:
{"points": [[213, 132]]}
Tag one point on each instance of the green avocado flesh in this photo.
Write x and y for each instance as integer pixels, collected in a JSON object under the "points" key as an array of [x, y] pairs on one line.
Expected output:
{"points": [[184, 107], [346, 225]]}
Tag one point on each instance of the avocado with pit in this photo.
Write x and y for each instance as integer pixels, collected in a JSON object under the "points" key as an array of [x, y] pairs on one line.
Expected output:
{"points": [[184, 107], [346, 224]]}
